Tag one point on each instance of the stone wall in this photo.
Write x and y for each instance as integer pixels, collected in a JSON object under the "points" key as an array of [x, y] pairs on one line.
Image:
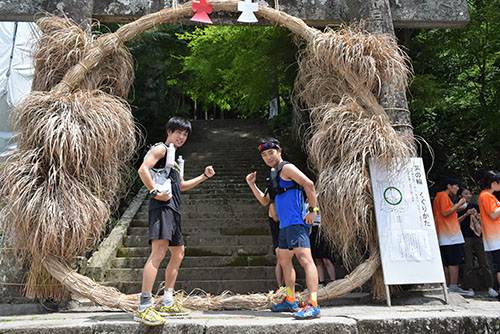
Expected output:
{"points": [[405, 13]]}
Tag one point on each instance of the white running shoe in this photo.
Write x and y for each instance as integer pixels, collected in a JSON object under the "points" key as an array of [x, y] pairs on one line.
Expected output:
{"points": [[459, 290], [492, 293]]}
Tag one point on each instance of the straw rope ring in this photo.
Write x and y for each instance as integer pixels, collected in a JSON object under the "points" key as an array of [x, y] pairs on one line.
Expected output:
{"points": [[339, 78]]}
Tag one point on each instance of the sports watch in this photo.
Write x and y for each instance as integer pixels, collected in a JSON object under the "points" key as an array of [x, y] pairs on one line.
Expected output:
{"points": [[313, 209], [153, 192]]}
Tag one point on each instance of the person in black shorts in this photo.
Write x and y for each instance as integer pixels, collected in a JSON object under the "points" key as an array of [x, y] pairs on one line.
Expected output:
{"points": [[321, 252], [274, 227], [470, 224], [164, 217]]}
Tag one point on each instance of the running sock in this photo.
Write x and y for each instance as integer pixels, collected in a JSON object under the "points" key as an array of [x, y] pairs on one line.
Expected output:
{"points": [[289, 292], [168, 297], [314, 299], [313, 303], [145, 301]]}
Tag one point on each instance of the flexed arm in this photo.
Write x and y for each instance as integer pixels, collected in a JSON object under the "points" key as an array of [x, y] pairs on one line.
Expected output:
{"points": [[261, 197], [190, 184]]}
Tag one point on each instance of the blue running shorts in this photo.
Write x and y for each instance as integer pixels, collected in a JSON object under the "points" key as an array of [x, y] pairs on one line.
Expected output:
{"points": [[294, 236]]}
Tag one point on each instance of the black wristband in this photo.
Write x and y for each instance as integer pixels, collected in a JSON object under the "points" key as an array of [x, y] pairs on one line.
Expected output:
{"points": [[206, 175]]}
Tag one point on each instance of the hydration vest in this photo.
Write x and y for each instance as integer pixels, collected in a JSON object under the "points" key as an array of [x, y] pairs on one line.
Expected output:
{"points": [[273, 183]]}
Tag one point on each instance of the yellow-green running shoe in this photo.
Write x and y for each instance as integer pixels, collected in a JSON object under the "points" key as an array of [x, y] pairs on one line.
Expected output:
{"points": [[149, 316], [175, 309]]}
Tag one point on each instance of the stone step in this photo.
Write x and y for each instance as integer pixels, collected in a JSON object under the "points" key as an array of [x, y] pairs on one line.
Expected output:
{"points": [[209, 200], [203, 273], [207, 212], [218, 134], [200, 197], [216, 183], [228, 180], [196, 240], [237, 250], [256, 229], [192, 198], [214, 287], [223, 162], [221, 193], [215, 221], [222, 158], [228, 171], [230, 176], [200, 261]]}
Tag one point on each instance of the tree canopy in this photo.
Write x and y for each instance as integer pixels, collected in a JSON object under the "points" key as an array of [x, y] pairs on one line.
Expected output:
{"points": [[211, 71], [240, 68], [455, 94]]}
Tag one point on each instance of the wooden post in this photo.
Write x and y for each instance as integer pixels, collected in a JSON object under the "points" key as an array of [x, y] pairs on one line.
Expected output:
{"points": [[376, 14], [378, 19]]}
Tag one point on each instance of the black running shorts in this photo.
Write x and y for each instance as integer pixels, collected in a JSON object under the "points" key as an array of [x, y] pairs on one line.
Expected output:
{"points": [[452, 255], [165, 223]]}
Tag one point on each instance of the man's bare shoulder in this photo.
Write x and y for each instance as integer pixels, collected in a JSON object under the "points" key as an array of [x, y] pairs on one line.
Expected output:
{"points": [[289, 170], [159, 149]]}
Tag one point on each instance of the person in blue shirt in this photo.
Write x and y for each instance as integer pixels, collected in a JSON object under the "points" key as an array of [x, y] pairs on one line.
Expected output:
{"points": [[294, 220]]}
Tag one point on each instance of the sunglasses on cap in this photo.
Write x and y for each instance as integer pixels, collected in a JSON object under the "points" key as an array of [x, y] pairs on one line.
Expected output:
{"points": [[267, 146]]}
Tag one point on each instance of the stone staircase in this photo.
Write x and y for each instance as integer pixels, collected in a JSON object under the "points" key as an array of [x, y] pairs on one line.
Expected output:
{"points": [[226, 232]]}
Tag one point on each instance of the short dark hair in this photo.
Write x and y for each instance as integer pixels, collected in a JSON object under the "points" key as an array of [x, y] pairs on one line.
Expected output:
{"points": [[461, 190], [449, 181], [178, 123], [490, 177]]}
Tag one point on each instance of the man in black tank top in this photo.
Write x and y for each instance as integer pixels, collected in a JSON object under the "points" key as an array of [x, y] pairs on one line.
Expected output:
{"points": [[164, 224]]}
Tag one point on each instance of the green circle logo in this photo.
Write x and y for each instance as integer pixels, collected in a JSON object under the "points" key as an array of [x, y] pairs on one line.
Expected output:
{"points": [[393, 195]]}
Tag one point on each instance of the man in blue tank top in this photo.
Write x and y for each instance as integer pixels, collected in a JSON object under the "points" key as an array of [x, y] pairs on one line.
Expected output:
{"points": [[294, 218]]}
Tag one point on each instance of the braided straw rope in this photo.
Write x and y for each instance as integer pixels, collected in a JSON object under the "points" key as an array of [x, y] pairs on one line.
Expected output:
{"points": [[104, 46]]}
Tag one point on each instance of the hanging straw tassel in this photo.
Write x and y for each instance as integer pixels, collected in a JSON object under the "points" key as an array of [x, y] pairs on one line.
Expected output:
{"points": [[341, 140], [63, 45], [340, 76], [62, 180]]}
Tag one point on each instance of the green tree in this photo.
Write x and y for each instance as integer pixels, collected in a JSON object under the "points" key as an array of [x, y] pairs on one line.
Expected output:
{"points": [[455, 95], [240, 69], [158, 90]]}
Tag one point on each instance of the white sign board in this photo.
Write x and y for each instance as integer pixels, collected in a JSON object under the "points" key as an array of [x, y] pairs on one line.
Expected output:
{"points": [[409, 247]]}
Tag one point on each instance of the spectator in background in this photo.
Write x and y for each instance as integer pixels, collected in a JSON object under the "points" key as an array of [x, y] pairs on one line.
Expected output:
{"points": [[470, 224], [451, 241], [321, 252], [274, 227], [489, 208]]}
